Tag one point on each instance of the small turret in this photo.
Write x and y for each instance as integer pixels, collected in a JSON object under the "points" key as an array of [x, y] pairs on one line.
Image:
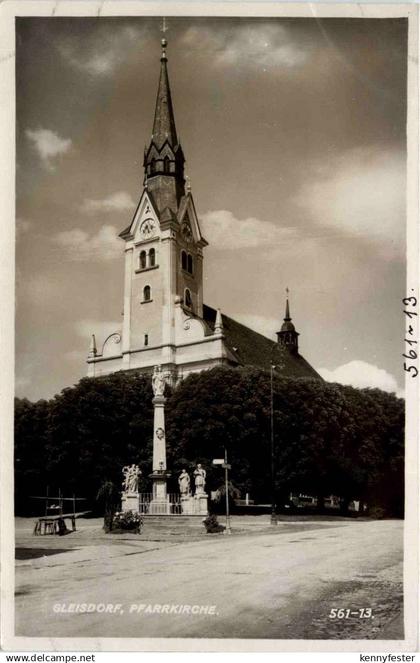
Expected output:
{"points": [[288, 336]]}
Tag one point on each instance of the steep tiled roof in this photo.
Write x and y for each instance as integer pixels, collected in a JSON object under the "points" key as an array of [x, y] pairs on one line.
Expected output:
{"points": [[253, 349]]}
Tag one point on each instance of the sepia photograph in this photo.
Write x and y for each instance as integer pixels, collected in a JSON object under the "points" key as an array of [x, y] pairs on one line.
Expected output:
{"points": [[215, 336]]}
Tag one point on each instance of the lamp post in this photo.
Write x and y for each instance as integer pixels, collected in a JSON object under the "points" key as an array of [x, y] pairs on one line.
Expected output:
{"points": [[227, 467], [273, 490]]}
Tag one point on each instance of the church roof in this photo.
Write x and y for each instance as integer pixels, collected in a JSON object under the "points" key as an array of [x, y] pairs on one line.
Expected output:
{"points": [[253, 349]]}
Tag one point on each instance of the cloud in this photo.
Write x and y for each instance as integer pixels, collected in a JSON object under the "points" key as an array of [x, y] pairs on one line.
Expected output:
{"points": [[271, 45], [101, 328], [117, 202], [48, 145], [362, 193], [80, 246], [225, 232], [361, 374], [101, 52]]}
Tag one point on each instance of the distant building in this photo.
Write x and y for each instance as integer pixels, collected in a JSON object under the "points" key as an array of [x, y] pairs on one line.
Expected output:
{"points": [[165, 320]]}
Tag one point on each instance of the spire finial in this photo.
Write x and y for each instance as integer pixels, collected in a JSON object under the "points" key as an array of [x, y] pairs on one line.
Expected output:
{"points": [[218, 325], [164, 40], [92, 349], [287, 315]]}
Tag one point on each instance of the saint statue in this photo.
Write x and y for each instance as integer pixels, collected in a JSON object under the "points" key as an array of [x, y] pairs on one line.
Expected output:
{"points": [[158, 381], [184, 483], [200, 479], [131, 478]]}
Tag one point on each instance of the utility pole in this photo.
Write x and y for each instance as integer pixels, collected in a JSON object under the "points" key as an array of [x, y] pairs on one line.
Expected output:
{"points": [[273, 490]]}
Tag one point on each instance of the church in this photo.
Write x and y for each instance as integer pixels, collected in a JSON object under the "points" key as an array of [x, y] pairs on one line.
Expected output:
{"points": [[165, 319]]}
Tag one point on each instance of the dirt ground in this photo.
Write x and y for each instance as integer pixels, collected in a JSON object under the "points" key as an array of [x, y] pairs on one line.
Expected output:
{"points": [[262, 582]]}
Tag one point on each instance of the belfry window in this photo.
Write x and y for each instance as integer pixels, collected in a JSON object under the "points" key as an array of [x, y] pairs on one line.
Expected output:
{"points": [[142, 263], [152, 166], [146, 339], [188, 300], [190, 263], [152, 258], [183, 260], [166, 164], [147, 293]]}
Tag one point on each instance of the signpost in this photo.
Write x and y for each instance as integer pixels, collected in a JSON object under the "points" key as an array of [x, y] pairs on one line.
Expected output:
{"points": [[225, 465]]}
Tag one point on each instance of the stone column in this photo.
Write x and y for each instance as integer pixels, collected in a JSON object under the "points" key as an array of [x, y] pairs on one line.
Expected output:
{"points": [[160, 501]]}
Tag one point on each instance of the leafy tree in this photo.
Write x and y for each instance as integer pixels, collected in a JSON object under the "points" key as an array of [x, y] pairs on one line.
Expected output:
{"points": [[328, 438]]}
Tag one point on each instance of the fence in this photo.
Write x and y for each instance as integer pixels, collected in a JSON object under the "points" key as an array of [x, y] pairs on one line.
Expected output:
{"points": [[173, 507]]}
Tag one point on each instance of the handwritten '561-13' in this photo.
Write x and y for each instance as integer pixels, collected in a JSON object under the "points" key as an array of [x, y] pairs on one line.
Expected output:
{"points": [[411, 304]]}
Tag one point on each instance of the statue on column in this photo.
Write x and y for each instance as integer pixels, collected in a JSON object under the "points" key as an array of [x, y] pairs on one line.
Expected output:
{"points": [[131, 478], [158, 381], [184, 483], [200, 479]]}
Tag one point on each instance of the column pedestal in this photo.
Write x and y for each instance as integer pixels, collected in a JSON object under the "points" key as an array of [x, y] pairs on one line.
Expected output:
{"points": [[130, 502], [194, 505], [160, 504]]}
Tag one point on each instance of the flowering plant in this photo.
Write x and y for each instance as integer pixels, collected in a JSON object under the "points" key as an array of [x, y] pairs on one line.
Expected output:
{"points": [[127, 520]]}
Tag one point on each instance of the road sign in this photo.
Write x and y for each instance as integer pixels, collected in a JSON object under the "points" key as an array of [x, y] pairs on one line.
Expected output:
{"points": [[226, 466], [218, 461]]}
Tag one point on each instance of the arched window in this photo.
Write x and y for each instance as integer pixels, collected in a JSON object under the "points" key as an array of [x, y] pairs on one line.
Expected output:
{"points": [[190, 264], [183, 260], [152, 166], [143, 260], [146, 339], [147, 293], [152, 258], [188, 300], [166, 164]]}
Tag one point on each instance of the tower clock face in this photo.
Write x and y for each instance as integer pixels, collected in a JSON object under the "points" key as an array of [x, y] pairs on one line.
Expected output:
{"points": [[186, 232], [147, 228]]}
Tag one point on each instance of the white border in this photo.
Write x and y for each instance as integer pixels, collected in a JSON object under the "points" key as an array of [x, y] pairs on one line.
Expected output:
{"points": [[8, 11]]}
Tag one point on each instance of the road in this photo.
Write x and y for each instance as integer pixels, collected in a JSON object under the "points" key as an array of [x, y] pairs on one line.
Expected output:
{"points": [[280, 584]]}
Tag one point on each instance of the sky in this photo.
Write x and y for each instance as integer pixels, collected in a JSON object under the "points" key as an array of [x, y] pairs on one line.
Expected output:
{"points": [[294, 133]]}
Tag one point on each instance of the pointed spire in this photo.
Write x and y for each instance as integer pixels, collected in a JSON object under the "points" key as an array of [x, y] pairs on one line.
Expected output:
{"points": [[164, 160], [164, 121], [287, 316], [218, 325]]}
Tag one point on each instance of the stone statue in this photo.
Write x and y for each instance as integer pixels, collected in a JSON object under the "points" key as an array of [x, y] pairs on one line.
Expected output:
{"points": [[158, 381], [184, 483], [200, 479], [131, 478]]}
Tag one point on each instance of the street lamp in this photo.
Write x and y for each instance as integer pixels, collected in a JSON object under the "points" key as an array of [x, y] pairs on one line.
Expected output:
{"points": [[273, 490]]}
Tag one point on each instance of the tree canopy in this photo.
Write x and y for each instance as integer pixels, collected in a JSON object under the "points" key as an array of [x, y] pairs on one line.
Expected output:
{"points": [[328, 438]]}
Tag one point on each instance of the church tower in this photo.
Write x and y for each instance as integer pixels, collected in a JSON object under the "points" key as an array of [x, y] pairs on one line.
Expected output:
{"points": [[163, 246]]}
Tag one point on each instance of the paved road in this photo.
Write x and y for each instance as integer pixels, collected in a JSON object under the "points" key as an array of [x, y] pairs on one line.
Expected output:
{"points": [[272, 585]]}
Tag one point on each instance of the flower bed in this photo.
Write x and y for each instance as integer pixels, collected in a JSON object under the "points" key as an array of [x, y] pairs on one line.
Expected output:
{"points": [[127, 521]]}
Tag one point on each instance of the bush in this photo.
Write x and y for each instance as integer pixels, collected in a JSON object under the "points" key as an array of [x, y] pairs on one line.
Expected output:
{"points": [[212, 525], [127, 521]]}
